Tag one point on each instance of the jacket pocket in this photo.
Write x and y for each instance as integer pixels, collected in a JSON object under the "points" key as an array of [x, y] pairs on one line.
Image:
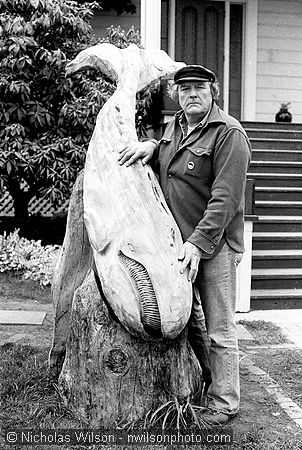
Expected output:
{"points": [[198, 161], [200, 151]]}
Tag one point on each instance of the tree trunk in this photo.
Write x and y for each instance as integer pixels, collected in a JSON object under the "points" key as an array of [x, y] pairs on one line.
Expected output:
{"points": [[74, 263], [21, 200], [110, 377]]}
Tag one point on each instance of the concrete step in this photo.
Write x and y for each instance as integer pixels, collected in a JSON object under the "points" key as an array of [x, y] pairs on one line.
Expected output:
{"points": [[259, 154], [287, 167], [277, 241], [277, 223], [276, 298], [275, 179], [277, 278], [280, 258], [278, 207], [284, 144], [282, 194]]}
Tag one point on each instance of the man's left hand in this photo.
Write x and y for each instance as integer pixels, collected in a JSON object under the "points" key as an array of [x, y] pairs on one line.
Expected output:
{"points": [[190, 256]]}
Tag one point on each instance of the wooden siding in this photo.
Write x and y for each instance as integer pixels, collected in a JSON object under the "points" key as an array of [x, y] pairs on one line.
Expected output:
{"points": [[279, 58], [104, 19]]}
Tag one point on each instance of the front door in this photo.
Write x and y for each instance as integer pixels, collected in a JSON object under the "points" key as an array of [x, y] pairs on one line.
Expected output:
{"points": [[199, 35]]}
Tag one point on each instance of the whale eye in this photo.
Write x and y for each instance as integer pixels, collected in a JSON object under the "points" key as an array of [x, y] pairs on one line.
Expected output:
{"points": [[172, 236], [173, 233], [130, 246]]}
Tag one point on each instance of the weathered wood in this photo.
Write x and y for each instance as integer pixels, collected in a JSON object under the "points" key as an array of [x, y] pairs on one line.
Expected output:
{"points": [[122, 274], [134, 237], [73, 265], [111, 377]]}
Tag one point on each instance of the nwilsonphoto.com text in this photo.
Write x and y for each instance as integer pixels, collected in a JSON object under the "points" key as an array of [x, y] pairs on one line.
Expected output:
{"points": [[118, 437]]}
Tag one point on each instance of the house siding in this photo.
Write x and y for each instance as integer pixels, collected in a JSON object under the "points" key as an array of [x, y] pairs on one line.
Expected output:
{"points": [[279, 58], [104, 19]]}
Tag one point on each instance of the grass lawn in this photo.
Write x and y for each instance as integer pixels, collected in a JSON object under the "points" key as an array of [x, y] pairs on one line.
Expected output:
{"points": [[284, 365], [29, 399], [17, 288], [265, 333]]}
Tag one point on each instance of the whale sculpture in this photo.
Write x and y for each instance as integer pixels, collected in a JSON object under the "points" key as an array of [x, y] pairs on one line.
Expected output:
{"points": [[120, 249], [134, 239]]}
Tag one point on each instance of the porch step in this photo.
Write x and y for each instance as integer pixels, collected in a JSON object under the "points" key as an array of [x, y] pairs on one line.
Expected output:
{"points": [[276, 155], [277, 240], [287, 167], [286, 144], [278, 207], [275, 179], [274, 194], [278, 223], [274, 259], [277, 278], [276, 298], [279, 126], [276, 168], [271, 133]]}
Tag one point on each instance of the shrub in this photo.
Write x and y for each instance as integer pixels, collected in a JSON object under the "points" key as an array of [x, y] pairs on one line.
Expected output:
{"points": [[28, 257]]}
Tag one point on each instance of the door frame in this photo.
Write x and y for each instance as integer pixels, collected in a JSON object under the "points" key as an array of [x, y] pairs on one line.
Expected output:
{"points": [[150, 32]]}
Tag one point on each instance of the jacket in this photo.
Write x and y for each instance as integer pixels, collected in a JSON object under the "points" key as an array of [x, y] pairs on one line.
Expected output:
{"points": [[203, 178]]}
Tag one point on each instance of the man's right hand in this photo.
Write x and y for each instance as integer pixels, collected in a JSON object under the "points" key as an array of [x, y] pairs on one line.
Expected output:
{"points": [[138, 150]]}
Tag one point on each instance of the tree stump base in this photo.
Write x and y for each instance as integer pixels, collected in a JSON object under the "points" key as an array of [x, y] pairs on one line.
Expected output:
{"points": [[111, 378]]}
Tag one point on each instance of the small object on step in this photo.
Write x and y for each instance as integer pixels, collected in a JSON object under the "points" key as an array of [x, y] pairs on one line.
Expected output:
{"points": [[283, 115]]}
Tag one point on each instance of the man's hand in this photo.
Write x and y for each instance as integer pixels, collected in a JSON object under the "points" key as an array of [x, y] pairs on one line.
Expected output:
{"points": [[190, 256], [138, 150]]}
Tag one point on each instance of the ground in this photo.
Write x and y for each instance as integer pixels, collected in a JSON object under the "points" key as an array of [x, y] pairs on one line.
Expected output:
{"points": [[261, 423]]}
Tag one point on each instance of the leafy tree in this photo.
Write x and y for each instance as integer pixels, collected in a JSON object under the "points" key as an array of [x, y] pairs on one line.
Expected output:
{"points": [[120, 6], [38, 154], [46, 119]]}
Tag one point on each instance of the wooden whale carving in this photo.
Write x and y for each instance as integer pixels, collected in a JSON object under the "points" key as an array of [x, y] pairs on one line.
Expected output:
{"points": [[134, 238]]}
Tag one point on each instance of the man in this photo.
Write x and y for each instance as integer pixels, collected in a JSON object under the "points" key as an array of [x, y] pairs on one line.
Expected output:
{"points": [[202, 161]]}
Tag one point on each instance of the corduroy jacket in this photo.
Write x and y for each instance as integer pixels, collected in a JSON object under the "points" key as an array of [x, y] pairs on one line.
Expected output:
{"points": [[203, 179]]}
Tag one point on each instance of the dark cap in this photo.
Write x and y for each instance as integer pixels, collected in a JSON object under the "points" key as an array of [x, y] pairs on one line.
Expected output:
{"points": [[194, 73]]}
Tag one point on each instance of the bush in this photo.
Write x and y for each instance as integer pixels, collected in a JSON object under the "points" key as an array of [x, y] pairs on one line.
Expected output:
{"points": [[28, 257]]}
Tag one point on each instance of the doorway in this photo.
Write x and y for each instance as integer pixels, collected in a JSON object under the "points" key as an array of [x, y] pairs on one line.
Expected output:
{"points": [[199, 39]]}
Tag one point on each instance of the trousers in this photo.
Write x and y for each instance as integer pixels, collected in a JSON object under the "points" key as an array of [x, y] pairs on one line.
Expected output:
{"points": [[215, 310]]}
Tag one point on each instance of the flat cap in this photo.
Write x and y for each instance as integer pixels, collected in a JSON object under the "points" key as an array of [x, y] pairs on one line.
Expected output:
{"points": [[194, 73]]}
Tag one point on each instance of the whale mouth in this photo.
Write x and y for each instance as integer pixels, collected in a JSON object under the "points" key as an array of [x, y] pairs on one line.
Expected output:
{"points": [[150, 314]]}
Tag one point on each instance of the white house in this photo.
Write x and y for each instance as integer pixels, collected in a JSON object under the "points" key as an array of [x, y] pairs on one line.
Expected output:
{"points": [[254, 46]]}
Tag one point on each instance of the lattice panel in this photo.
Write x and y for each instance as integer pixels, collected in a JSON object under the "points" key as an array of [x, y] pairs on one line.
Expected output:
{"points": [[36, 206]]}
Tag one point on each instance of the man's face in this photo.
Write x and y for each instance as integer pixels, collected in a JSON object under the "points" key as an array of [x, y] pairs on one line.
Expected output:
{"points": [[195, 99]]}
